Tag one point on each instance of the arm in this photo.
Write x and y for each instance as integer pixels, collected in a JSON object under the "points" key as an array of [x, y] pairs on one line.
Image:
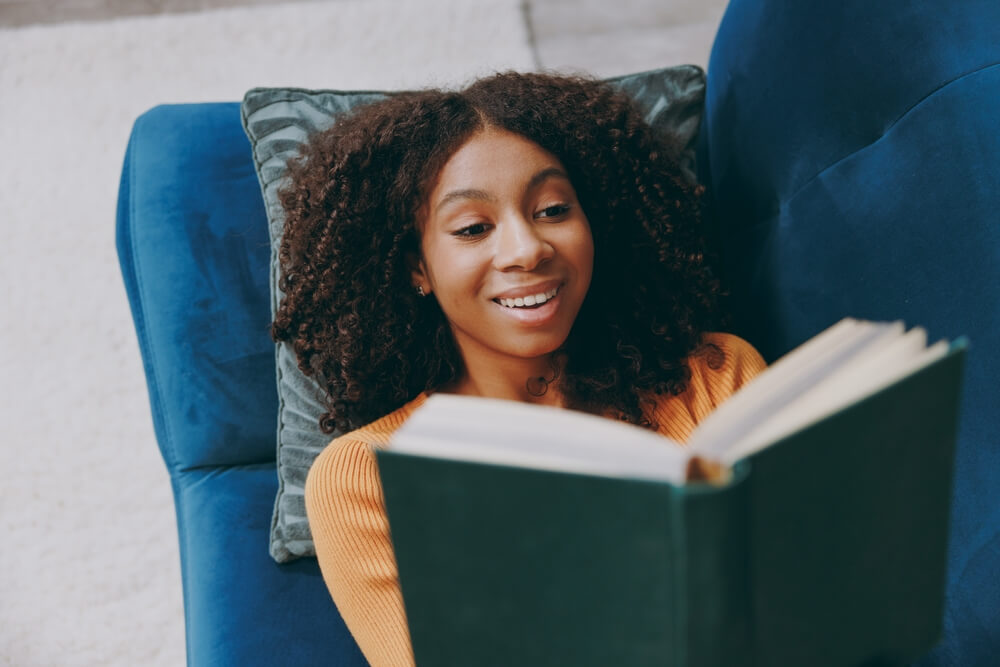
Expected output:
{"points": [[347, 517]]}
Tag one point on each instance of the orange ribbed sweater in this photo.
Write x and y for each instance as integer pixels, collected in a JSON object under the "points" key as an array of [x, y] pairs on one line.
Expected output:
{"points": [[347, 515]]}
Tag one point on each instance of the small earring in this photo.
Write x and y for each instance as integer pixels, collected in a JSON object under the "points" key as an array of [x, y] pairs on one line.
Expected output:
{"points": [[420, 290]]}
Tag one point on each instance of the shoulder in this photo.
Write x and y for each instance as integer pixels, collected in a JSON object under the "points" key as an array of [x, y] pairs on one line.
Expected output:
{"points": [[719, 366], [726, 353], [347, 464], [723, 363]]}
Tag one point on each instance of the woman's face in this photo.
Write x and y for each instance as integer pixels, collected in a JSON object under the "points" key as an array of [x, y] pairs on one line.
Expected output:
{"points": [[506, 248]]}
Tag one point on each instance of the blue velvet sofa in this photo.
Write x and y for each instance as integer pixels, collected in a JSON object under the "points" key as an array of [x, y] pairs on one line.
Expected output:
{"points": [[852, 153]]}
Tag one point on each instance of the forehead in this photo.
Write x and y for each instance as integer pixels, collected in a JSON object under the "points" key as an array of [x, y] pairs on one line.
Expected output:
{"points": [[492, 160]]}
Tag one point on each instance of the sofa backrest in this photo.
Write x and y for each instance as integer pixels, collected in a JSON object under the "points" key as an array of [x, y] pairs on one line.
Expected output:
{"points": [[853, 154], [200, 290], [193, 246]]}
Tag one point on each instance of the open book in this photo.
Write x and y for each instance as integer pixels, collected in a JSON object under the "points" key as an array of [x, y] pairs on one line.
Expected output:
{"points": [[842, 365], [533, 535]]}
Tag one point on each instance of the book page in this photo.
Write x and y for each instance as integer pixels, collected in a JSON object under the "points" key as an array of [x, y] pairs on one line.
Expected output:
{"points": [[784, 381], [520, 434], [847, 362], [867, 375]]}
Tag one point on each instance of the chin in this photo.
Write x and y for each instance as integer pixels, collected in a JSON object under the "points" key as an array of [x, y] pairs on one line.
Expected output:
{"points": [[536, 350]]}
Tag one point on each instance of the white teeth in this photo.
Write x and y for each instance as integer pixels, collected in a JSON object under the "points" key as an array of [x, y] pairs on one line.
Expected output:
{"points": [[530, 300]]}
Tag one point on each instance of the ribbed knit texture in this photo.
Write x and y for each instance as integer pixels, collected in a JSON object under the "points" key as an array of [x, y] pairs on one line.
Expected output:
{"points": [[347, 515]]}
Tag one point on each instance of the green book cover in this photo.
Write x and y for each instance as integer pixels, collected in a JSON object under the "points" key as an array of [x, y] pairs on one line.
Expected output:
{"points": [[825, 548]]}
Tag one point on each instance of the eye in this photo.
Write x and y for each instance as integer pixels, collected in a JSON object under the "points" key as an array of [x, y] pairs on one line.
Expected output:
{"points": [[472, 231], [554, 212]]}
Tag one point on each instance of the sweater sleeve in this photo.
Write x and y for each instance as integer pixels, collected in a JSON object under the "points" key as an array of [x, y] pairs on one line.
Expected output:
{"points": [[346, 509]]}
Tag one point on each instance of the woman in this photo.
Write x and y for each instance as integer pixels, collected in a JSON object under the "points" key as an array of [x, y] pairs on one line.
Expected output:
{"points": [[527, 238]]}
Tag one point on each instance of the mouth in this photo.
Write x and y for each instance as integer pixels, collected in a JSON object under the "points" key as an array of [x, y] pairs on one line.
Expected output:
{"points": [[529, 301]]}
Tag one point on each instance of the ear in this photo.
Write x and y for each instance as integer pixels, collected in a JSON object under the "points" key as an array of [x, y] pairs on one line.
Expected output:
{"points": [[418, 273]]}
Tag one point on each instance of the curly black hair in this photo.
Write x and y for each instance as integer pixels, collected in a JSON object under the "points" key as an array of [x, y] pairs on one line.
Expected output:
{"points": [[350, 311]]}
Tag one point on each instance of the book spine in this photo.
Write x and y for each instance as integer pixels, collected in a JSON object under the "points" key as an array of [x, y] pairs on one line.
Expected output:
{"points": [[712, 534]]}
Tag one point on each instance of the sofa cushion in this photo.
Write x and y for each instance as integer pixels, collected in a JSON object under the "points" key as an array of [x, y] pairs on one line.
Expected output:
{"points": [[278, 122], [223, 523]]}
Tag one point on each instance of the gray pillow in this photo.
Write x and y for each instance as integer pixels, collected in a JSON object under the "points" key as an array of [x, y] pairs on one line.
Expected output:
{"points": [[278, 121]]}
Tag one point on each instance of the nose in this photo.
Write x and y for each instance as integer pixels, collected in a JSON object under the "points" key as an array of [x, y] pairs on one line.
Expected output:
{"points": [[521, 244]]}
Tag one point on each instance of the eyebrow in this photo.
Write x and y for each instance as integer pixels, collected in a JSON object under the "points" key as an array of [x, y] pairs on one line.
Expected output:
{"points": [[482, 195]]}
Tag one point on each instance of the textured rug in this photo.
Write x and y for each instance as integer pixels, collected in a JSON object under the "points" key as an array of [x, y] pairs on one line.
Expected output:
{"points": [[90, 572]]}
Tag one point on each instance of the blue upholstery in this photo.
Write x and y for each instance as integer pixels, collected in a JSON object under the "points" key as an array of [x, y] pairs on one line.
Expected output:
{"points": [[192, 241], [854, 156], [195, 260], [852, 152]]}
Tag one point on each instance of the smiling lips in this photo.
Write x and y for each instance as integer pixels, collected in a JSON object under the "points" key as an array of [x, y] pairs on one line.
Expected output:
{"points": [[528, 301]]}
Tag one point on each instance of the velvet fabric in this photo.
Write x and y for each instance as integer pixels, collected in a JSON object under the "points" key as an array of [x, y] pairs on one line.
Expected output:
{"points": [[853, 157], [241, 608], [192, 241]]}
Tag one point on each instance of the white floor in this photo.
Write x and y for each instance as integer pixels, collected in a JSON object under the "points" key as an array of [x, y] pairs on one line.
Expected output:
{"points": [[609, 38], [90, 573]]}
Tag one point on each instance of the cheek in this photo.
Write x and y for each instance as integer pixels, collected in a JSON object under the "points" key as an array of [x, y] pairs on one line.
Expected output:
{"points": [[455, 276], [587, 251], [580, 246]]}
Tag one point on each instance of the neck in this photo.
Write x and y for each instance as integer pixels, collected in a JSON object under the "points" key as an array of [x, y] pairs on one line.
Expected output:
{"points": [[529, 381]]}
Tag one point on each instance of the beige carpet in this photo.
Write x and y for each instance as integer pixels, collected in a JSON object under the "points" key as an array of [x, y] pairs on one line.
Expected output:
{"points": [[90, 573]]}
